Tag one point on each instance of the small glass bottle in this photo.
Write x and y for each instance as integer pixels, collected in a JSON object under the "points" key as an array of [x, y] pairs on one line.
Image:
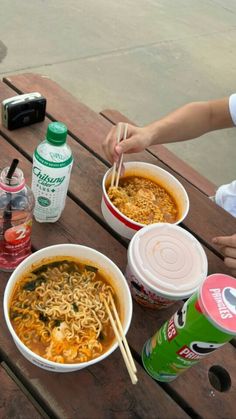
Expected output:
{"points": [[16, 211], [52, 164]]}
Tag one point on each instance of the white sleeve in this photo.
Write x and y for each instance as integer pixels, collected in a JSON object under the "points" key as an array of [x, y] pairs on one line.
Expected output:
{"points": [[232, 107]]}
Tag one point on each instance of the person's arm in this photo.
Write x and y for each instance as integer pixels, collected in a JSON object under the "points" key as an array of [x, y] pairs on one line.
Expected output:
{"points": [[187, 122], [191, 121]]}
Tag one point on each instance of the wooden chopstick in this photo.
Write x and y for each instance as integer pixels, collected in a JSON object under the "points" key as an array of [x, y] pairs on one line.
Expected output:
{"points": [[115, 164], [121, 158], [129, 366], [124, 340]]}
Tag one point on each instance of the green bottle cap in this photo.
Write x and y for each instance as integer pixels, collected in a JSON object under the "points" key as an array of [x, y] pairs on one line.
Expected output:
{"points": [[56, 133]]}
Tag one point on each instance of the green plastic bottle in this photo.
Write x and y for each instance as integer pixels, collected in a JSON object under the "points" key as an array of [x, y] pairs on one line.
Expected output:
{"points": [[52, 164]]}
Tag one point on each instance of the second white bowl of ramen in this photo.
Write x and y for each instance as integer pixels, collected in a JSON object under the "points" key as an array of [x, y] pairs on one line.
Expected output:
{"points": [[124, 225], [83, 254]]}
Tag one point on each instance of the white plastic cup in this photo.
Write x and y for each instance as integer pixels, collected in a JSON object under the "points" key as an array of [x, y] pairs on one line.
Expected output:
{"points": [[85, 254], [165, 264], [125, 226]]}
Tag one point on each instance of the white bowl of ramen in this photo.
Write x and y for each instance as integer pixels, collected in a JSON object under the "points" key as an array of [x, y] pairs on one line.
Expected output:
{"points": [[155, 191], [50, 312]]}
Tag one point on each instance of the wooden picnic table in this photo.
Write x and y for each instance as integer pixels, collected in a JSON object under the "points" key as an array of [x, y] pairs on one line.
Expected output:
{"points": [[104, 390]]}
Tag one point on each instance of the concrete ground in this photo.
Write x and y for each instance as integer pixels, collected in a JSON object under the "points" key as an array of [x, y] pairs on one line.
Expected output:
{"points": [[141, 57]]}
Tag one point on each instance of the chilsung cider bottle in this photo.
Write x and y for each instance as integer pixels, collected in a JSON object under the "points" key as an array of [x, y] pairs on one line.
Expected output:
{"points": [[52, 164]]}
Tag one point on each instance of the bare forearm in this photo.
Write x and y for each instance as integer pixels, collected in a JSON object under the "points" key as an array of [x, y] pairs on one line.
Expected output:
{"points": [[191, 121]]}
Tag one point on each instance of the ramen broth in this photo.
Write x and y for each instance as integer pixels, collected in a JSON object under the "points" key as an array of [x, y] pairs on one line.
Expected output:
{"points": [[144, 200], [57, 311]]}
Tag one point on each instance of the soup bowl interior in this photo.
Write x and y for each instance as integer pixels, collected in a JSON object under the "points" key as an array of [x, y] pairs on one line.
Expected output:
{"points": [[127, 227], [84, 255]]}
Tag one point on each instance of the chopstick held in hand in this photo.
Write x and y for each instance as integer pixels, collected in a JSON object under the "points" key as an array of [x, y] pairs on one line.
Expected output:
{"points": [[121, 129], [118, 135], [121, 157]]}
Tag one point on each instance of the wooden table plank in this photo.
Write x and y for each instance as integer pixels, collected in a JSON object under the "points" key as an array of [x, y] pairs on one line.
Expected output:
{"points": [[144, 321], [13, 402]]}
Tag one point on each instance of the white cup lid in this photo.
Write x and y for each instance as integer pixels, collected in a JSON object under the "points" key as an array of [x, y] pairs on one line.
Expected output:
{"points": [[168, 259]]}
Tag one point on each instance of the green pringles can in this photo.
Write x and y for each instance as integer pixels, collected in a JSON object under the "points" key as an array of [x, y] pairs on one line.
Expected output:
{"points": [[206, 322]]}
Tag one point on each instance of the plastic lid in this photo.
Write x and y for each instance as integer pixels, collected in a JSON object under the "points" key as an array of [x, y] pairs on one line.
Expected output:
{"points": [[217, 299], [56, 133], [168, 259]]}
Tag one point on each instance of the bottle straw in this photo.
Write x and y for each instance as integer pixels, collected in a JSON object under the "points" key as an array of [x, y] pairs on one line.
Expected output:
{"points": [[7, 214], [12, 169]]}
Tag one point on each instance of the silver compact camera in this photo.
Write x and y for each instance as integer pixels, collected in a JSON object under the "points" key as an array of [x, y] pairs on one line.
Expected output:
{"points": [[22, 110]]}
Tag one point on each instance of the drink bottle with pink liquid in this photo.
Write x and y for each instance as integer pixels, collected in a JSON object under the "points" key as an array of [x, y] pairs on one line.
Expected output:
{"points": [[16, 208]]}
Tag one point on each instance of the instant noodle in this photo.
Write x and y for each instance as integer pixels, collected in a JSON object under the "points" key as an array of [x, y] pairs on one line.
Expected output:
{"points": [[143, 200], [147, 194], [58, 313], [67, 321]]}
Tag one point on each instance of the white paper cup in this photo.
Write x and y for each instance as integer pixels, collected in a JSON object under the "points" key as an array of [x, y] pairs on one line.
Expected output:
{"points": [[125, 226], [84, 254], [165, 264]]}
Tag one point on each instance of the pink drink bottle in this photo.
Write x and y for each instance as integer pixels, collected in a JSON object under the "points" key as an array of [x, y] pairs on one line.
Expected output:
{"points": [[16, 207]]}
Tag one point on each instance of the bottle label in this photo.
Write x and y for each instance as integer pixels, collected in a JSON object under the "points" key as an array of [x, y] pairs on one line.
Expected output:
{"points": [[49, 184], [54, 156], [17, 237]]}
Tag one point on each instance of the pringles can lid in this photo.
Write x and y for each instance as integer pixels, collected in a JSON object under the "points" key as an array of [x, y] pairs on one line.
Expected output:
{"points": [[217, 300], [168, 259]]}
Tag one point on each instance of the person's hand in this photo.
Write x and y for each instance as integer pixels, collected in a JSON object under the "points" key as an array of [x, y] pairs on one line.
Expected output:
{"points": [[227, 246], [137, 140]]}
